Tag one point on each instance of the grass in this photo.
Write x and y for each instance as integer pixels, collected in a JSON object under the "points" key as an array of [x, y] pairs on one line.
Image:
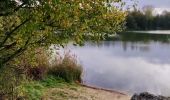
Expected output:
{"points": [[34, 90], [66, 67]]}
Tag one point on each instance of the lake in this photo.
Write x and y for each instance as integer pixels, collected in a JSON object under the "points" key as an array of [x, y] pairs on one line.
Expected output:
{"points": [[132, 63]]}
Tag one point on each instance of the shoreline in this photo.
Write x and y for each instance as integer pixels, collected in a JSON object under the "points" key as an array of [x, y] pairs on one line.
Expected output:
{"points": [[104, 89], [83, 92]]}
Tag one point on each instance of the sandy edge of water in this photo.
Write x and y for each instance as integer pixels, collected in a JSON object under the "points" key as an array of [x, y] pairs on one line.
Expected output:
{"points": [[84, 92], [106, 94]]}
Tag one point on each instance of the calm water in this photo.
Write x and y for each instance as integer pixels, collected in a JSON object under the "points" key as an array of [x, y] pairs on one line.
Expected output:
{"points": [[127, 64]]}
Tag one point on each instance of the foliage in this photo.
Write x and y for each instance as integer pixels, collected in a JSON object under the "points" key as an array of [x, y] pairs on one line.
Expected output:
{"points": [[20, 70], [35, 68], [66, 67], [28, 24], [146, 20], [10, 79]]}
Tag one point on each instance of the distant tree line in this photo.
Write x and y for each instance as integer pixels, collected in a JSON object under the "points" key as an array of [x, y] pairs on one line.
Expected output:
{"points": [[145, 19]]}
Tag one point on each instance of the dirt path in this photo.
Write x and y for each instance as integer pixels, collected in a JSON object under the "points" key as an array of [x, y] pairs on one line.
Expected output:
{"points": [[83, 93]]}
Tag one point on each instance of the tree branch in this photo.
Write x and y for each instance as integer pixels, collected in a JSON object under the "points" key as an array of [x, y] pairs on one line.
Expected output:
{"points": [[16, 53], [6, 47], [11, 32]]}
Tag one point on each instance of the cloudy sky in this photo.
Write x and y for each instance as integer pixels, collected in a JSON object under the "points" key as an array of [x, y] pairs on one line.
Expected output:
{"points": [[159, 5], [156, 3]]}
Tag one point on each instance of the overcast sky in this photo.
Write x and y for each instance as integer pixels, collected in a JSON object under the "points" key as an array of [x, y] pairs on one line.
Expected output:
{"points": [[155, 3], [160, 5]]}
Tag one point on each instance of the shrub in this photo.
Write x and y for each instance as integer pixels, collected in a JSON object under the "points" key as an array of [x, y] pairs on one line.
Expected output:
{"points": [[10, 79], [36, 73], [35, 67], [26, 67], [66, 67], [16, 72]]}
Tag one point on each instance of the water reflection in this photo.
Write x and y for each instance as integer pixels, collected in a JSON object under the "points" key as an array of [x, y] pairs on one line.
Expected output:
{"points": [[145, 37], [126, 66]]}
